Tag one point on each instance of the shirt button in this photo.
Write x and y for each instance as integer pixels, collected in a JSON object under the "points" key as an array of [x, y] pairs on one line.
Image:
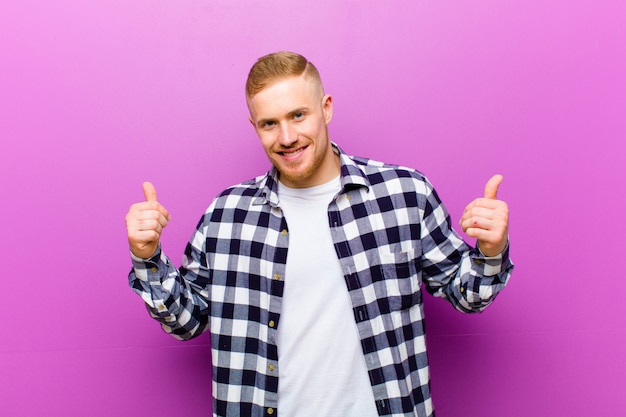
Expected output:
{"points": [[272, 324], [479, 261], [271, 367], [284, 232], [154, 269], [276, 277], [348, 197], [270, 411]]}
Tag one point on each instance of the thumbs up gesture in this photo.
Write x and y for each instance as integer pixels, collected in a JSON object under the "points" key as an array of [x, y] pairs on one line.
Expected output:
{"points": [[145, 222], [487, 220]]}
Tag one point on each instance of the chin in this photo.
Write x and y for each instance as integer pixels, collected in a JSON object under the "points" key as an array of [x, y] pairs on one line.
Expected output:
{"points": [[297, 178]]}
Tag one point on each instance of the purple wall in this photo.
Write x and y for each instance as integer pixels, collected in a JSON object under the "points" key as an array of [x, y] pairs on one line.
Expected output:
{"points": [[96, 97]]}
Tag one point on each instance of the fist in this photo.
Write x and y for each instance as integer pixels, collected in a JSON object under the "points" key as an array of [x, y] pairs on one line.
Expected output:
{"points": [[487, 220], [145, 222]]}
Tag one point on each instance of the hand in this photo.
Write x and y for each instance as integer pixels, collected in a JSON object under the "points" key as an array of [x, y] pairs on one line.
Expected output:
{"points": [[487, 219], [145, 222]]}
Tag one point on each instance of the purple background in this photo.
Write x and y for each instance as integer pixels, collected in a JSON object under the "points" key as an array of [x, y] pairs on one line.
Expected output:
{"points": [[96, 97]]}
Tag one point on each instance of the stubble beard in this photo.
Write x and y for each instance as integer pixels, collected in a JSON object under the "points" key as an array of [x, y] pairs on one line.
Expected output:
{"points": [[296, 173]]}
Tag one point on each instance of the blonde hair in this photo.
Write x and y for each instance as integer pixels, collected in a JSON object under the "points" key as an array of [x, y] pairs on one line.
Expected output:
{"points": [[276, 66]]}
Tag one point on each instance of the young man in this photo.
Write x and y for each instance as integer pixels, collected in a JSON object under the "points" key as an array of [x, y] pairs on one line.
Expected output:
{"points": [[309, 277]]}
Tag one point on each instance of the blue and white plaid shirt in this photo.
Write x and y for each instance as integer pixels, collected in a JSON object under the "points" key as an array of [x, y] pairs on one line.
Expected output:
{"points": [[391, 234]]}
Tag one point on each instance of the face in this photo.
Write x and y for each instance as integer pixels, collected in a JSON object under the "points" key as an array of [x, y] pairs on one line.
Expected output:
{"points": [[291, 117]]}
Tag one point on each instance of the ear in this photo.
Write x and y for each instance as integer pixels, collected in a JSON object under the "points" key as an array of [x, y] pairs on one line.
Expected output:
{"points": [[251, 121], [250, 118], [327, 108]]}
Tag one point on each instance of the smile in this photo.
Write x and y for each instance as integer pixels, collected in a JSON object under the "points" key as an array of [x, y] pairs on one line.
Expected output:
{"points": [[292, 153]]}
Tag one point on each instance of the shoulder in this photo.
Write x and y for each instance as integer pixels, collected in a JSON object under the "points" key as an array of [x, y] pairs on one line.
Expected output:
{"points": [[247, 189], [236, 200], [392, 176]]}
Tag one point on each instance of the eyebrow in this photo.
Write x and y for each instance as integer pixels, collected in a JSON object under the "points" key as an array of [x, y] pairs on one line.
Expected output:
{"points": [[300, 110]]}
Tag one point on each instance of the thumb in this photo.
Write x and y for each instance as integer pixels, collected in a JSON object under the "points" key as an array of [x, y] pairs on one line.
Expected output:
{"points": [[149, 191], [491, 189]]}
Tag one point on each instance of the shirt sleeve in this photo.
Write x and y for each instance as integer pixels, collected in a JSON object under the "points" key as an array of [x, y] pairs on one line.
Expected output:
{"points": [[177, 298], [451, 268]]}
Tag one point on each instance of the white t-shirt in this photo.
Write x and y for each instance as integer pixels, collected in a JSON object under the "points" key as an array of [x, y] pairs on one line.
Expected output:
{"points": [[322, 369]]}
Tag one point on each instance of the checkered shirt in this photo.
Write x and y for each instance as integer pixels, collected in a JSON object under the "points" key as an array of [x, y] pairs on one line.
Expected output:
{"points": [[391, 234]]}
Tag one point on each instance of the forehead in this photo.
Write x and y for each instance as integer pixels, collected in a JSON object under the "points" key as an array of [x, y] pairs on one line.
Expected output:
{"points": [[283, 96]]}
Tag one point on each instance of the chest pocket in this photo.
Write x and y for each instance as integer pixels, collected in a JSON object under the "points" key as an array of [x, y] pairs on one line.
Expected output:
{"points": [[401, 280]]}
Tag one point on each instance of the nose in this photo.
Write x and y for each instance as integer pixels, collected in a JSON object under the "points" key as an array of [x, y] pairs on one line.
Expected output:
{"points": [[287, 135]]}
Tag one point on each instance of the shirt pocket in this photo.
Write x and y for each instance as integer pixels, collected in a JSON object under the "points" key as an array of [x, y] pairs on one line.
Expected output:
{"points": [[401, 283]]}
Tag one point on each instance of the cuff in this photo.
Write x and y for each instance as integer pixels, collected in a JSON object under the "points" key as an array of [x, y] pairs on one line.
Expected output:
{"points": [[491, 265]]}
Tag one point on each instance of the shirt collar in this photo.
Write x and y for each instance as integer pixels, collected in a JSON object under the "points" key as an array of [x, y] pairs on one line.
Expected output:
{"points": [[352, 176]]}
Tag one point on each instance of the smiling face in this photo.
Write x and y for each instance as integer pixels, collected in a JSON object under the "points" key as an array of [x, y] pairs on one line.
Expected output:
{"points": [[290, 117]]}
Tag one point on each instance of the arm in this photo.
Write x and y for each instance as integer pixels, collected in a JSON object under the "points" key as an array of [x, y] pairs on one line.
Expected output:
{"points": [[468, 278], [176, 298]]}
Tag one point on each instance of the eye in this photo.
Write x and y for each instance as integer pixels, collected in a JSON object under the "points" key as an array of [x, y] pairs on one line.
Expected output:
{"points": [[298, 115], [268, 124]]}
